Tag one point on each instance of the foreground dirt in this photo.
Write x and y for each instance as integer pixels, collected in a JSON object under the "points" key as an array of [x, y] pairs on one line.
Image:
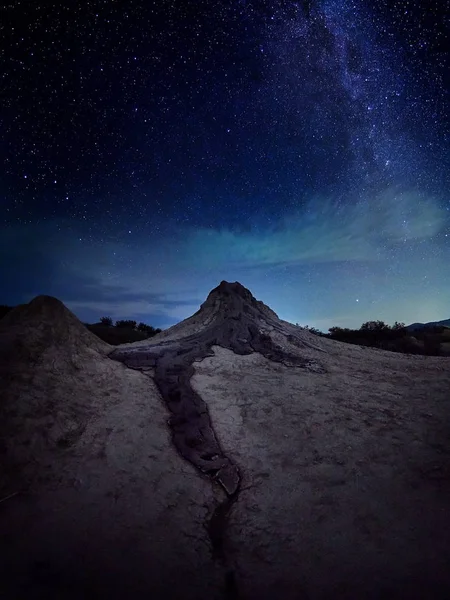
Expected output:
{"points": [[95, 501], [345, 474], [240, 324], [342, 454], [116, 514]]}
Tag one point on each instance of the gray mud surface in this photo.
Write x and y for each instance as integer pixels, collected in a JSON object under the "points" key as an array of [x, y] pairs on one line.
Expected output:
{"points": [[233, 456], [235, 328], [190, 423]]}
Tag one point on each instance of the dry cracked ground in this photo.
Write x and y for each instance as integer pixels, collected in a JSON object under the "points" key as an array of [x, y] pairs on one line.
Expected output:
{"points": [[231, 456]]}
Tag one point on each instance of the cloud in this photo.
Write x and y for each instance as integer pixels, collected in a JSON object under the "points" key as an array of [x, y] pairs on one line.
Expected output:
{"points": [[167, 278], [91, 297], [324, 231]]}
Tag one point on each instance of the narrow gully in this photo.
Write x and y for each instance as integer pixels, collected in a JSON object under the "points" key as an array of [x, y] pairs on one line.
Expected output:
{"points": [[194, 438]]}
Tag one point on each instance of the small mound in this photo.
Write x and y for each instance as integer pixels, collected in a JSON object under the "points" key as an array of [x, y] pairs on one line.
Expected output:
{"points": [[44, 326], [50, 365]]}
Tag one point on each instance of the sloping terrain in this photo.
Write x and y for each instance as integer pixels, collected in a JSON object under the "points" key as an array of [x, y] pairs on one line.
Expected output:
{"points": [[41, 344], [345, 474], [231, 456], [94, 501]]}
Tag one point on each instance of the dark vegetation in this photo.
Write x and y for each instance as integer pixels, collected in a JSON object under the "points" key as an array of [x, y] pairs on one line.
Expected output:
{"points": [[431, 341], [123, 332], [4, 310]]}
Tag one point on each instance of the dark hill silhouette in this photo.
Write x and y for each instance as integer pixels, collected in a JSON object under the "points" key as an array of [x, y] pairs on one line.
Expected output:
{"points": [[443, 323], [39, 327]]}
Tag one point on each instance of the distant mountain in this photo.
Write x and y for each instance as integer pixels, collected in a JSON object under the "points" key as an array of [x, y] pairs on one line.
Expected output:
{"points": [[444, 323]]}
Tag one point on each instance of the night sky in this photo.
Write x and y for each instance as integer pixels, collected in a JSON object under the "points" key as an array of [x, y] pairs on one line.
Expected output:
{"points": [[152, 149]]}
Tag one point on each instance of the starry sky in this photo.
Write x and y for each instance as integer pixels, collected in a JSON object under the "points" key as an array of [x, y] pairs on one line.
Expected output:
{"points": [[152, 149]]}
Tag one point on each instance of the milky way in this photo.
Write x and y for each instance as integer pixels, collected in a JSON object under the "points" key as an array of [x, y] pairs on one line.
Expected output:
{"points": [[152, 150]]}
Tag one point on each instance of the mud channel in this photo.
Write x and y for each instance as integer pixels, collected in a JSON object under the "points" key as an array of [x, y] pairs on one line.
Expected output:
{"points": [[234, 327]]}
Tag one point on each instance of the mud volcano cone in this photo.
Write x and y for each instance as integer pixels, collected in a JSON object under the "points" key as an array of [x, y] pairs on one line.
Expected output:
{"points": [[231, 318]]}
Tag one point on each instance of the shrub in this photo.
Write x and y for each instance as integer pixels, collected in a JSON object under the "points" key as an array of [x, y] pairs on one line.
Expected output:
{"points": [[128, 324], [116, 335], [4, 310], [432, 345], [374, 326], [148, 329], [313, 330], [106, 321]]}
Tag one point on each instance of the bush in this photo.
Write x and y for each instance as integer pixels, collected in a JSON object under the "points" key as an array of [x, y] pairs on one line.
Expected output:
{"points": [[399, 327], [313, 330], [128, 324], [432, 345], [117, 335], [106, 321], [4, 310], [374, 326], [148, 329], [396, 338]]}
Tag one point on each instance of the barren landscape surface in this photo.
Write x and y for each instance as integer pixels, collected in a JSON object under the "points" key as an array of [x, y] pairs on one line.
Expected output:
{"points": [[232, 456]]}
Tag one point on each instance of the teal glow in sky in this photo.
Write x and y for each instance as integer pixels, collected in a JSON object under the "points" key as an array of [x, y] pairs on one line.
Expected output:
{"points": [[299, 148]]}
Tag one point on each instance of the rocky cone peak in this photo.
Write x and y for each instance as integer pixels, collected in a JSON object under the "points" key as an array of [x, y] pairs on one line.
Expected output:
{"points": [[232, 300]]}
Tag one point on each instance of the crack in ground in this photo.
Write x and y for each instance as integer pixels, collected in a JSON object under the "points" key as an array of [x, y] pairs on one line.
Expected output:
{"points": [[234, 328], [217, 527]]}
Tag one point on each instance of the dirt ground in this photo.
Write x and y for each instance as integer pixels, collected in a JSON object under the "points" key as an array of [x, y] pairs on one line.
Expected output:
{"points": [[345, 470], [346, 473], [95, 501]]}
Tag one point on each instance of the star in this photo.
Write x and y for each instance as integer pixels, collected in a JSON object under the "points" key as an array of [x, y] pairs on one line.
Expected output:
{"points": [[295, 147]]}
